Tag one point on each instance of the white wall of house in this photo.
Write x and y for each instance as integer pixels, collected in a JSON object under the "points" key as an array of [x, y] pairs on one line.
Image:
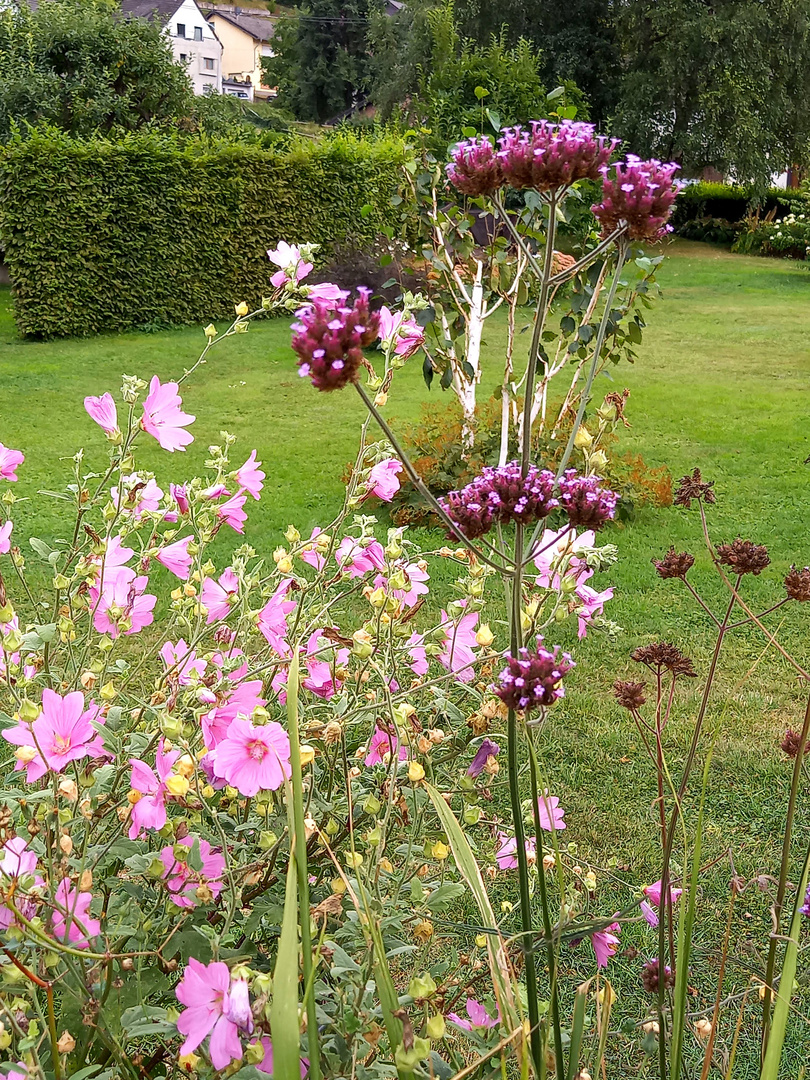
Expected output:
{"points": [[196, 45]]}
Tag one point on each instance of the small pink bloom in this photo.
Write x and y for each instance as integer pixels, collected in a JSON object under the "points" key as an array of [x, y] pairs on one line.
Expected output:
{"points": [[182, 881], [18, 859], [506, 855], [560, 551], [272, 620], [163, 417], [240, 701], [183, 662], [293, 268], [138, 497], [5, 533], [479, 1017], [549, 812], [320, 678], [114, 556], [178, 493], [175, 557], [20, 1072], [418, 653], [72, 921], [122, 605], [605, 942], [63, 732], [406, 334], [9, 460], [311, 555], [231, 512], [592, 605], [219, 597], [250, 476], [653, 894], [325, 292], [103, 411], [357, 560], [266, 1064], [252, 758], [417, 576], [383, 745], [204, 991], [149, 812], [383, 480], [458, 655]]}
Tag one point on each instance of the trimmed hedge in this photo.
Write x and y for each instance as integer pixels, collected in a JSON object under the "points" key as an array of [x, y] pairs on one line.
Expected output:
{"points": [[102, 235], [727, 202]]}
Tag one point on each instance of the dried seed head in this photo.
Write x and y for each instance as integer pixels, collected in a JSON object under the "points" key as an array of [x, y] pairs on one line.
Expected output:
{"points": [[791, 744], [630, 695], [675, 564], [664, 656], [744, 556], [694, 487], [797, 584]]}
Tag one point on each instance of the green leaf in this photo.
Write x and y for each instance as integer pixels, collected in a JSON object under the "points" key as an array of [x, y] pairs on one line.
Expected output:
{"points": [[555, 94], [447, 378], [40, 547], [481, 92], [494, 119], [284, 1008], [427, 371], [440, 899]]}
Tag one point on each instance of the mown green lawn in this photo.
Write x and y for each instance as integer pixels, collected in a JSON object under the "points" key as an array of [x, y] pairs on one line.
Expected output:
{"points": [[722, 383]]}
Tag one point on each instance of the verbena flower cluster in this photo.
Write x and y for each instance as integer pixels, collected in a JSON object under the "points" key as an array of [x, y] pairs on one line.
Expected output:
{"points": [[502, 494], [329, 340], [533, 679], [639, 196]]}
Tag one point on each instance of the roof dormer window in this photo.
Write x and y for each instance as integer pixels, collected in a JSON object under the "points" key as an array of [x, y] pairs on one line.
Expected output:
{"points": [[181, 29]]}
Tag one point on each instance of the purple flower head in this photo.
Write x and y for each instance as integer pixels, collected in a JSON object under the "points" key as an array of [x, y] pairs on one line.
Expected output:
{"points": [[330, 340], [502, 494], [488, 749], [475, 168], [640, 195], [805, 908], [587, 504], [552, 156], [533, 679]]}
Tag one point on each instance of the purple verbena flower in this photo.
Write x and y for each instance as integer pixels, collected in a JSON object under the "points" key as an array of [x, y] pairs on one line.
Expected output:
{"points": [[640, 195], [330, 340], [502, 494], [587, 504], [533, 679], [475, 168], [552, 156]]}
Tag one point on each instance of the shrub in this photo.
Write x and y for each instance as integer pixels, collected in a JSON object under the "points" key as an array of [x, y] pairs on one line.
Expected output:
{"points": [[708, 211], [102, 235], [787, 237]]}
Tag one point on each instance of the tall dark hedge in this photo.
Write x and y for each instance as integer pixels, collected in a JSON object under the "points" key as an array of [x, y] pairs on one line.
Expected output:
{"points": [[102, 235]]}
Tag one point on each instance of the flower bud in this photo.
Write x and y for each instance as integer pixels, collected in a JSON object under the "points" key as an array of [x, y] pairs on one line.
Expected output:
{"points": [[108, 692], [307, 754], [66, 845], [583, 438], [440, 851], [484, 637], [210, 331], [415, 772], [372, 805], [177, 785], [254, 1054], [598, 460], [472, 815], [241, 309], [65, 1044], [422, 986], [435, 1026], [354, 860]]}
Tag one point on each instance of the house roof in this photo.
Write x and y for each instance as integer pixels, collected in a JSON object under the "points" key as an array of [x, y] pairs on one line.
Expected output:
{"points": [[159, 10], [260, 29]]}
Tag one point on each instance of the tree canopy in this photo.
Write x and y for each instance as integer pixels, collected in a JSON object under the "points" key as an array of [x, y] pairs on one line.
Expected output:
{"points": [[84, 68]]}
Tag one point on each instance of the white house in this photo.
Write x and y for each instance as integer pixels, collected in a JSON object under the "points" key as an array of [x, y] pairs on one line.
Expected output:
{"points": [[194, 42]]}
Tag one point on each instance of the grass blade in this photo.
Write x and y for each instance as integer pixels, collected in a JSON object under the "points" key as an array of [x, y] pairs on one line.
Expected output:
{"points": [[577, 1030], [284, 1010]]}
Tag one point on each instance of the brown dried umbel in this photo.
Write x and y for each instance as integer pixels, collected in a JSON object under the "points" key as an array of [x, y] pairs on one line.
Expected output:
{"points": [[797, 584], [650, 977], [630, 695], [744, 556], [792, 744], [664, 656], [694, 487], [675, 564]]}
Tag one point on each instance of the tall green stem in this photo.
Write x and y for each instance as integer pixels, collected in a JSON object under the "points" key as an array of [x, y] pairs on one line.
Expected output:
{"points": [[539, 323], [783, 876], [300, 850]]}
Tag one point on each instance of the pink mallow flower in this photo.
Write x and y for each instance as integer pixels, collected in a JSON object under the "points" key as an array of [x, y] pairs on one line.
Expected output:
{"points": [[321, 678], [293, 267], [232, 512], [653, 894], [605, 942], [383, 481], [175, 557], [592, 604], [179, 494], [240, 701], [5, 533], [122, 605], [356, 560], [418, 654], [137, 496], [266, 1064], [253, 758], [506, 855], [182, 881], [149, 811], [18, 861], [103, 411], [9, 460], [205, 992], [72, 921], [272, 621], [457, 655], [163, 417], [478, 1017], [250, 477], [549, 812], [382, 746], [219, 597], [406, 335], [183, 661], [326, 292], [63, 732]]}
